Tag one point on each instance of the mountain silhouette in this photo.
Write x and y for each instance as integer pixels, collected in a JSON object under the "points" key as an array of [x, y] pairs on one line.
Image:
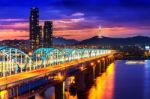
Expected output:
{"points": [[141, 40], [63, 41]]}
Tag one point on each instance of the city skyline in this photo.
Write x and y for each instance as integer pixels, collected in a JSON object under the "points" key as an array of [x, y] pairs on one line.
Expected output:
{"points": [[74, 19]]}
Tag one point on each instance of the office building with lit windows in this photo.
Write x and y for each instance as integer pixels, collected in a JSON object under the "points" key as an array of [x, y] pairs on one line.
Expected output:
{"points": [[47, 34], [35, 29]]}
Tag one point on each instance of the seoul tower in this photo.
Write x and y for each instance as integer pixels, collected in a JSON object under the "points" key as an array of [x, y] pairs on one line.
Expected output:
{"points": [[99, 31]]}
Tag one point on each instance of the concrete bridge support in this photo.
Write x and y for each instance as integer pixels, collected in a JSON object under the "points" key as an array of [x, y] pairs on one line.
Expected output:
{"points": [[98, 70], [60, 90], [80, 80], [90, 75], [103, 66], [111, 59], [107, 61], [80, 84]]}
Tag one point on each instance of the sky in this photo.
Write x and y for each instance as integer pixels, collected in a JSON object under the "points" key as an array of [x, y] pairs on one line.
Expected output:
{"points": [[77, 19]]}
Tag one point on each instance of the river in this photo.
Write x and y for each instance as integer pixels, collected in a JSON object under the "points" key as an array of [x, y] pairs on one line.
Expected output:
{"points": [[123, 80]]}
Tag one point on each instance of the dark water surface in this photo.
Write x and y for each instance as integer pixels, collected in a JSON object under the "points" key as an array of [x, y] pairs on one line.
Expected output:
{"points": [[123, 80]]}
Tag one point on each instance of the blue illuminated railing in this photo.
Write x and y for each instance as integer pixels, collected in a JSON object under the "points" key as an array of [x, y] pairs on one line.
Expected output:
{"points": [[13, 61]]}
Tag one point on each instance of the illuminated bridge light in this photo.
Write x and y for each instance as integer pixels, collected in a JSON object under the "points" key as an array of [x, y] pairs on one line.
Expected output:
{"points": [[98, 61], [4, 94], [59, 77], [13, 61], [92, 64], [82, 68]]}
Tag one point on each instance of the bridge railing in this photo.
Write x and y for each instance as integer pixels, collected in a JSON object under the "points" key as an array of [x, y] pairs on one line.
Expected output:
{"points": [[13, 61]]}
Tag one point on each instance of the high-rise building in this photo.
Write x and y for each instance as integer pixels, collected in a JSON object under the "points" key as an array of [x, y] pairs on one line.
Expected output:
{"points": [[48, 32], [40, 36], [35, 29]]}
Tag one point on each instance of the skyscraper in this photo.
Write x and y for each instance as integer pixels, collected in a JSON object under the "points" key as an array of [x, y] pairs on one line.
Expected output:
{"points": [[40, 36], [34, 28], [48, 32]]}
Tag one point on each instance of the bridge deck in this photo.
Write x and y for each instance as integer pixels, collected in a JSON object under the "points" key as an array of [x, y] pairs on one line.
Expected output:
{"points": [[35, 73]]}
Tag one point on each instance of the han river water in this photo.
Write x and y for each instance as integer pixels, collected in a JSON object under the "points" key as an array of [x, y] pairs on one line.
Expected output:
{"points": [[123, 80]]}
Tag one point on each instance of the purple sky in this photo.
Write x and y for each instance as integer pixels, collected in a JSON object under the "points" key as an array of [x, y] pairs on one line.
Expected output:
{"points": [[77, 19]]}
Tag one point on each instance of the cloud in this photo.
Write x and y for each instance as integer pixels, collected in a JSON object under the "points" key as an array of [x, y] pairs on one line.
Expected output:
{"points": [[78, 14], [12, 20], [66, 24], [15, 26], [13, 34], [77, 34], [77, 20]]}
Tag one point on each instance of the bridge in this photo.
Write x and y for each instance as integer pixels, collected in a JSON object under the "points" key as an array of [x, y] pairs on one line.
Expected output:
{"points": [[23, 75]]}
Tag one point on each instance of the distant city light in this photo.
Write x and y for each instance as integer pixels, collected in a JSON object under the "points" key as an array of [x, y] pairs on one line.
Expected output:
{"points": [[147, 47], [134, 62]]}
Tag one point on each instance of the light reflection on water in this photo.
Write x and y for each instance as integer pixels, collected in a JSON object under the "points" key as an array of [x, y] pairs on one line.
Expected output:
{"points": [[68, 96], [147, 80], [123, 81], [104, 86]]}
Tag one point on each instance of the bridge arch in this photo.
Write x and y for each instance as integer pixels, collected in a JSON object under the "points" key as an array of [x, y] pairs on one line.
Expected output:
{"points": [[43, 57], [71, 54], [13, 61]]}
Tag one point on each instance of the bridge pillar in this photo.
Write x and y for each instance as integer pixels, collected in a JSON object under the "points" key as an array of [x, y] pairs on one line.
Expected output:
{"points": [[59, 90], [80, 84], [16, 93], [111, 59], [98, 68], [80, 80], [107, 62], [90, 75], [103, 67]]}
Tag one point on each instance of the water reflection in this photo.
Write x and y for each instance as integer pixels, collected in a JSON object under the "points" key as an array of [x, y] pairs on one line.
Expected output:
{"points": [[147, 80], [129, 80], [104, 87], [123, 81], [68, 96]]}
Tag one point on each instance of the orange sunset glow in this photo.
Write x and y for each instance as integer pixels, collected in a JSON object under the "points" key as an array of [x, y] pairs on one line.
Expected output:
{"points": [[20, 31]]}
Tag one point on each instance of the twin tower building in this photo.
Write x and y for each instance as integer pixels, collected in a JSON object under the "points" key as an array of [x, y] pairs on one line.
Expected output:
{"points": [[40, 36]]}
